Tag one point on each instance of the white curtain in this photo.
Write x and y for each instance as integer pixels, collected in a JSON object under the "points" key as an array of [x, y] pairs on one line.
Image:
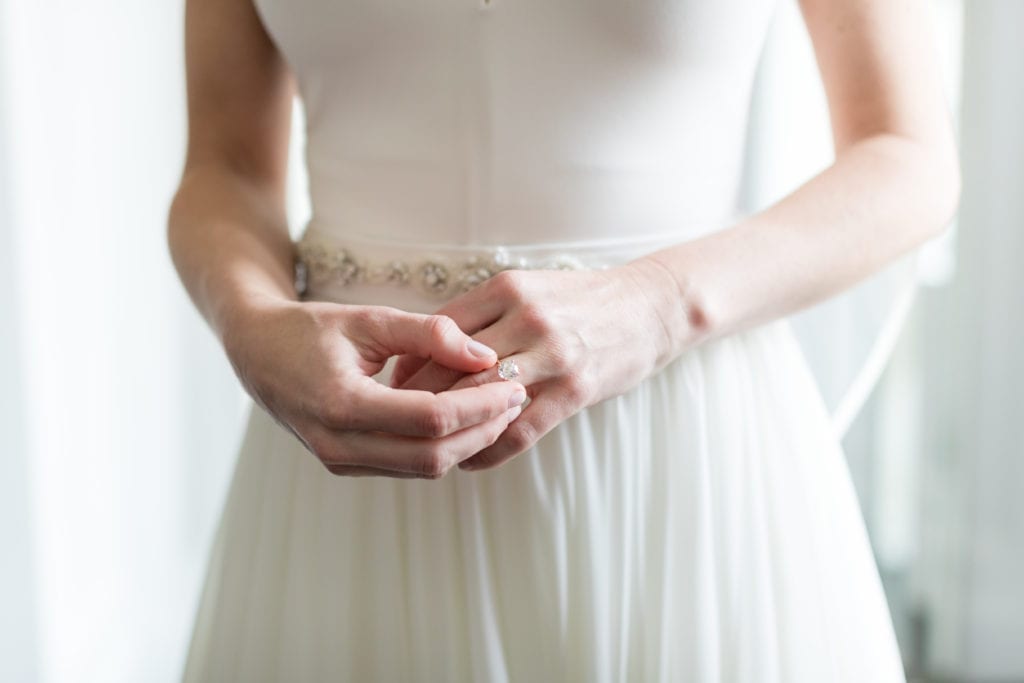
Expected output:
{"points": [[120, 416], [968, 577]]}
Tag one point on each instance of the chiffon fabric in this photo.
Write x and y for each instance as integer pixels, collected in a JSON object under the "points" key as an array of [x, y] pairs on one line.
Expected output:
{"points": [[701, 526]]}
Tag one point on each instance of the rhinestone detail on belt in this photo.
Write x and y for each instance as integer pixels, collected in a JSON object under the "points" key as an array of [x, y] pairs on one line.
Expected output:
{"points": [[320, 263]]}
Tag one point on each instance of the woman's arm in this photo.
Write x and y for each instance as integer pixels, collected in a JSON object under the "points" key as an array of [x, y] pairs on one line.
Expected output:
{"points": [[309, 364], [581, 338], [227, 230], [895, 183]]}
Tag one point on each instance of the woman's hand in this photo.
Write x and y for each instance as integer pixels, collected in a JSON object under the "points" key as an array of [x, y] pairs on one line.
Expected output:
{"points": [[311, 366], [578, 337]]}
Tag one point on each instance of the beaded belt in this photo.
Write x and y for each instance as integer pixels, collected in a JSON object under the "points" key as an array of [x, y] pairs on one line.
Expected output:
{"points": [[440, 276], [444, 271]]}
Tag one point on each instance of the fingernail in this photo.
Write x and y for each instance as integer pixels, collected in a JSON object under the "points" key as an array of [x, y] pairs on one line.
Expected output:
{"points": [[517, 398], [480, 350], [514, 413]]}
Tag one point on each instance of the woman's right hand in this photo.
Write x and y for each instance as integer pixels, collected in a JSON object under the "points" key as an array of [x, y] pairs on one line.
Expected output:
{"points": [[310, 365]]}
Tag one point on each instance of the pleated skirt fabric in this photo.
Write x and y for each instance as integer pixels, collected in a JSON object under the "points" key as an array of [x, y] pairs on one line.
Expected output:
{"points": [[701, 527]]}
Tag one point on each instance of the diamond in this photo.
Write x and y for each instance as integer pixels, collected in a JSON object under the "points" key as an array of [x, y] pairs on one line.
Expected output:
{"points": [[507, 369]]}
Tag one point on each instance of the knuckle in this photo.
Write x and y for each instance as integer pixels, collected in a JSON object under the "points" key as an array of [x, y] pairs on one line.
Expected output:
{"points": [[333, 401], [510, 284], [439, 327], [435, 423], [365, 317], [323, 447], [577, 389], [334, 412], [432, 463], [520, 437], [536, 319]]}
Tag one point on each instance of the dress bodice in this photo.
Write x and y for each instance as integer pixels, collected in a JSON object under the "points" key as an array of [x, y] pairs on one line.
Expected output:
{"points": [[521, 121]]}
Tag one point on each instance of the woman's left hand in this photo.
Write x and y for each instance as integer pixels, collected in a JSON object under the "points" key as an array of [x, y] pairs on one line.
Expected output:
{"points": [[577, 337]]}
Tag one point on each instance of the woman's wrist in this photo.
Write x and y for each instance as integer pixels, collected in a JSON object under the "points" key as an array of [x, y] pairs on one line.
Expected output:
{"points": [[680, 316], [238, 318]]}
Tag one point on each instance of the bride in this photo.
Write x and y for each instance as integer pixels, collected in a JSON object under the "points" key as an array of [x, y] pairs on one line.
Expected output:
{"points": [[525, 280]]}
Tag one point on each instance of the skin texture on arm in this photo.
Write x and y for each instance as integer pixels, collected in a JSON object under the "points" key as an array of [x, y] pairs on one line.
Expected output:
{"points": [[894, 184], [309, 364], [227, 230]]}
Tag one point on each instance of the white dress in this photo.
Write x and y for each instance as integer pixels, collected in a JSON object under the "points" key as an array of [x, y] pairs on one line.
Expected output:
{"points": [[701, 527]]}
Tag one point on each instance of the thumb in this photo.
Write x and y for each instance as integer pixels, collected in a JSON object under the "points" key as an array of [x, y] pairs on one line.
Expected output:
{"points": [[390, 331]]}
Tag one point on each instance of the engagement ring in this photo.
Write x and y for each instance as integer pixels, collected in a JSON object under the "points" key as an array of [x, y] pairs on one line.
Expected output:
{"points": [[507, 369]]}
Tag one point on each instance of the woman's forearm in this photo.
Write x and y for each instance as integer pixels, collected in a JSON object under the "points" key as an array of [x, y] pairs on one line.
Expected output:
{"points": [[882, 197], [229, 242]]}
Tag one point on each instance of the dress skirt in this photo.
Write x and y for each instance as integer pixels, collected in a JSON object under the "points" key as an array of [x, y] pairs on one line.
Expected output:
{"points": [[701, 527]]}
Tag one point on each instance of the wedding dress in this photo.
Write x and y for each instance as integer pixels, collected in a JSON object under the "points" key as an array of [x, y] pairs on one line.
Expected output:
{"points": [[700, 527]]}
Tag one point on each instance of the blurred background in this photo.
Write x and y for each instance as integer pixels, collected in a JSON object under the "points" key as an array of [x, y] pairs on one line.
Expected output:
{"points": [[120, 417]]}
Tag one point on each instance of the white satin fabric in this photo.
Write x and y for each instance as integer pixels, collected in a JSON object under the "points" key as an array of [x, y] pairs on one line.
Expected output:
{"points": [[700, 527]]}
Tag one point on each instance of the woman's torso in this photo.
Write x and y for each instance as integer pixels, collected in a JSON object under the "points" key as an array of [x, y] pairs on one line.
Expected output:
{"points": [[521, 121]]}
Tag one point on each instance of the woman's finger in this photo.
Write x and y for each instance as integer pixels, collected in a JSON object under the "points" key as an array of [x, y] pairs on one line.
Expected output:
{"points": [[371, 406], [405, 367], [420, 457], [361, 471], [434, 378], [472, 311], [532, 368], [550, 405], [381, 332], [506, 336], [490, 301], [482, 312]]}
